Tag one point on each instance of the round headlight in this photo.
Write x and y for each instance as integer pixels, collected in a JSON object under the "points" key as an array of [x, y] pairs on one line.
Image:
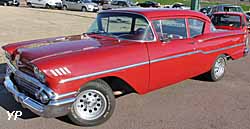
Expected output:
{"points": [[44, 97], [39, 74]]}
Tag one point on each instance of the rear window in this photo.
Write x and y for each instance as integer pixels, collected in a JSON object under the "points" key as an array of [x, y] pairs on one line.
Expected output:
{"points": [[226, 20]]}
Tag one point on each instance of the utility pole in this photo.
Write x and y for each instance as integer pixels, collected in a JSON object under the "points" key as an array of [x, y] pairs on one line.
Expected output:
{"points": [[195, 4]]}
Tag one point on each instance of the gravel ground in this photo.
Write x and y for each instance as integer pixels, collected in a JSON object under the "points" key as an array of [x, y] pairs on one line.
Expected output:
{"points": [[191, 104]]}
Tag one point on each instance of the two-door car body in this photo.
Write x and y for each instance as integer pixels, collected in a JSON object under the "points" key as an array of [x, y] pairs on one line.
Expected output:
{"points": [[123, 51]]}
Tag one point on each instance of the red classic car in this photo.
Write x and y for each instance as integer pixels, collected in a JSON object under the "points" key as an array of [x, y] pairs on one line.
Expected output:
{"points": [[124, 51], [230, 21]]}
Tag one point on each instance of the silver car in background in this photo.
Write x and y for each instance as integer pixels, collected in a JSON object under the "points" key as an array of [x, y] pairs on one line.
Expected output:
{"points": [[80, 5]]}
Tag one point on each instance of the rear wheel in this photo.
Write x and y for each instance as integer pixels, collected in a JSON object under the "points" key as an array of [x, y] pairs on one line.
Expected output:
{"points": [[29, 5], [218, 70], [17, 4], [94, 104], [64, 7]]}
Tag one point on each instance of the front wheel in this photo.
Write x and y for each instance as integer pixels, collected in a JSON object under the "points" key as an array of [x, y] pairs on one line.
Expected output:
{"points": [[218, 70], [47, 6], [84, 9], [94, 104]]}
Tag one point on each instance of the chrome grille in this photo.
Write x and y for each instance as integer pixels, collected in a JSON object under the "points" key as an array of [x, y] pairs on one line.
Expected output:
{"points": [[26, 86]]}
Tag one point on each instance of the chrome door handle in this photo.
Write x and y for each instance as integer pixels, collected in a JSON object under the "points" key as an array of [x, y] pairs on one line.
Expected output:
{"points": [[191, 42]]}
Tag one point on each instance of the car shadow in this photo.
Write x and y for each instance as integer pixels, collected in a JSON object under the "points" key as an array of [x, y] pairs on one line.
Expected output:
{"points": [[202, 77], [8, 102]]}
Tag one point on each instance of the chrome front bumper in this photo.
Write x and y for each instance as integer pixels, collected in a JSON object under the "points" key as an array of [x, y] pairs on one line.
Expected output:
{"points": [[58, 106]]}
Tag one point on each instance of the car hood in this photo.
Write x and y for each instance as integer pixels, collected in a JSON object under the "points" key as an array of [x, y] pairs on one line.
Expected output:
{"points": [[41, 49]]}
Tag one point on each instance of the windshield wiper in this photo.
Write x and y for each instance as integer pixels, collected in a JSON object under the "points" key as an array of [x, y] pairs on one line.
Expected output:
{"points": [[103, 33], [92, 33]]}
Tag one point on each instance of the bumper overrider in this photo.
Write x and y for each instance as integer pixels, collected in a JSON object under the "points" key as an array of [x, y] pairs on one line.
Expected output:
{"points": [[246, 51], [59, 105]]}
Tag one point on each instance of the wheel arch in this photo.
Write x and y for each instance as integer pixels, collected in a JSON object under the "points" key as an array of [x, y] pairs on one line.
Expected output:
{"points": [[117, 84]]}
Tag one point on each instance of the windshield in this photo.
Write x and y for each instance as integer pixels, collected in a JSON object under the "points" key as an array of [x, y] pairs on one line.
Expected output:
{"points": [[123, 26], [226, 20]]}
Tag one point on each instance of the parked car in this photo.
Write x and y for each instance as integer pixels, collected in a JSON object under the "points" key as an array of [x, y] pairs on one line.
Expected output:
{"points": [[9, 2], [230, 21], [124, 51], [149, 4], [248, 13], [81, 5], [118, 4], [227, 8], [101, 2], [206, 10], [180, 6], [45, 3]]}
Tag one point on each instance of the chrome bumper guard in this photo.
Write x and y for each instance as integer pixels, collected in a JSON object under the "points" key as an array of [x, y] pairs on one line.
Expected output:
{"points": [[55, 108], [246, 51]]}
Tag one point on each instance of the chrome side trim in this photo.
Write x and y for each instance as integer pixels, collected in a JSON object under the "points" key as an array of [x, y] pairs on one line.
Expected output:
{"points": [[60, 96], [203, 40], [174, 56], [148, 62], [103, 72], [221, 49]]}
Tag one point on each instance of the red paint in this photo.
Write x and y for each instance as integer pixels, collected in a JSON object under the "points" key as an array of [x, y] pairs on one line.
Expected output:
{"points": [[108, 53]]}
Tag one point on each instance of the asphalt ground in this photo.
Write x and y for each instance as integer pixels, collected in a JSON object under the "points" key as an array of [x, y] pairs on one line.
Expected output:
{"points": [[191, 104]]}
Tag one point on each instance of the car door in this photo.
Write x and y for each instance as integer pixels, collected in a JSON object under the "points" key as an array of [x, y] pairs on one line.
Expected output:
{"points": [[67, 3], [173, 56], [71, 4], [74, 4], [79, 4]]}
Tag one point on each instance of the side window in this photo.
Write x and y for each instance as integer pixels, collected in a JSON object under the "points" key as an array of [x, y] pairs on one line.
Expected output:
{"points": [[122, 3], [213, 9], [196, 27], [171, 28]]}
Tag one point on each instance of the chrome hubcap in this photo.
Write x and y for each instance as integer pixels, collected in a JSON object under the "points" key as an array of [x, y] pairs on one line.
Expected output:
{"points": [[90, 104], [219, 68]]}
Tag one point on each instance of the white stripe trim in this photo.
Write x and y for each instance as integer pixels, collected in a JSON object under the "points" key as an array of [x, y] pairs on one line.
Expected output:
{"points": [[58, 72], [54, 73], [66, 69], [61, 69]]}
